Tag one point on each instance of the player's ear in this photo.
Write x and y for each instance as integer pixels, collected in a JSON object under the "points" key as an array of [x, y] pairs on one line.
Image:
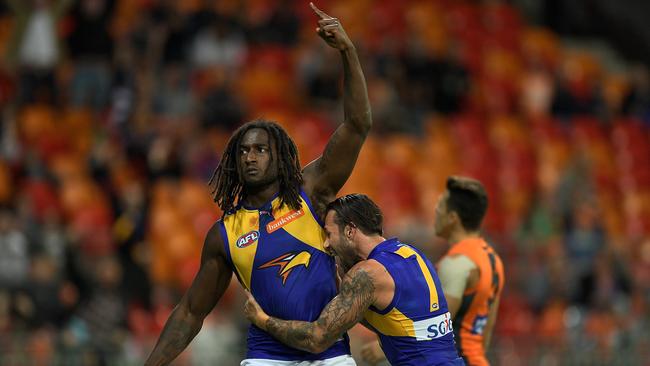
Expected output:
{"points": [[454, 218], [349, 230]]}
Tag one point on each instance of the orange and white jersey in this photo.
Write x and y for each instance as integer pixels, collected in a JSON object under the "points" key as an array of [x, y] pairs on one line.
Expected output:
{"points": [[472, 316]]}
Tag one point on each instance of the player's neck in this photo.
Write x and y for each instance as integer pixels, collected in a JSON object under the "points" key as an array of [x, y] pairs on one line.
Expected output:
{"points": [[459, 235], [258, 196], [367, 244]]}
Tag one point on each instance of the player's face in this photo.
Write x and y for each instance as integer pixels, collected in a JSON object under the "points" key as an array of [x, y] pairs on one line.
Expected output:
{"points": [[442, 221], [256, 167], [337, 243]]}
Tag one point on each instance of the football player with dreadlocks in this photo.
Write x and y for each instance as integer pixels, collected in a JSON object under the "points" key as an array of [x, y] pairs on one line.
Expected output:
{"points": [[271, 234]]}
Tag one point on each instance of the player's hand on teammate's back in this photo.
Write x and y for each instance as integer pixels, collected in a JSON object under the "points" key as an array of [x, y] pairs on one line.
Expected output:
{"points": [[253, 311], [331, 30], [371, 353]]}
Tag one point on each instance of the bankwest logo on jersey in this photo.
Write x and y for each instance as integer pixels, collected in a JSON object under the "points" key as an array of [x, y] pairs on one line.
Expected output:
{"points": [[280, 222], [247, 239], [287, 262]]}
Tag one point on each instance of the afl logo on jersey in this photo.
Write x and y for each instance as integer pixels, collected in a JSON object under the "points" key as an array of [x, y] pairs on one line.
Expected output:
{"points": [[248, 239]]}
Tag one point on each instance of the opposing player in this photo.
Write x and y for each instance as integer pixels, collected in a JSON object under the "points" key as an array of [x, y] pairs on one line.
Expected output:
{"points": [[389, 284], [471, 272], [271, 235]]}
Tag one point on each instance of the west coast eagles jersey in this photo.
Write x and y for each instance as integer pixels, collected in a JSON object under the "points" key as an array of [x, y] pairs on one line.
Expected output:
{"points": [[415, 329], [277, 253]]}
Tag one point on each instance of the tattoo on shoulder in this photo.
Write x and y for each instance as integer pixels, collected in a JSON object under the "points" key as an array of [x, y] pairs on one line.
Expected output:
{"points": [[359, 283], [357, 294]]}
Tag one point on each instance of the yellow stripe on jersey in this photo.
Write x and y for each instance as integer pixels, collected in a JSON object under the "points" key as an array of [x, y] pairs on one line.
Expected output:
{"points": [[393, 323], [243, 221], [305, 228], [407, 252]]}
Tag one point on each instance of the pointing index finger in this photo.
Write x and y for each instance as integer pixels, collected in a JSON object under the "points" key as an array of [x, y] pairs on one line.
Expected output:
{"points": [[319, 12]]}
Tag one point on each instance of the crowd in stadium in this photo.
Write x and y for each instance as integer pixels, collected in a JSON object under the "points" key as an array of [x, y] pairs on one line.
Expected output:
{"points": [[114, 113]]}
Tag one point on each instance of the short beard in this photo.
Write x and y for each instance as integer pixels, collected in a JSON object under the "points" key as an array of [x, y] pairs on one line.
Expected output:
{"points": [[350, 260]]}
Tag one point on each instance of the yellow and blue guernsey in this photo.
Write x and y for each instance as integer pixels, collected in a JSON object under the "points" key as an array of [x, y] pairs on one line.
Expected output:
{"points": [[277, 253], [415, 328]]}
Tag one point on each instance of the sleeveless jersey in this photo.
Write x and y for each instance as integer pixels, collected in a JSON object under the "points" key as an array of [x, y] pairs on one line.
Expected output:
{"points": [[415, 328], [277, 253], [475, 306]]}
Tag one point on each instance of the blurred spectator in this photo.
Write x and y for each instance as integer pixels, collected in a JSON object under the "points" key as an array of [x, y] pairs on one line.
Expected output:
{"points": [[103, 314], [436, 82], [276, 25], [219, 329], [91, 49], [53, 241], [35, 49], [48, 299], [388, 113], [130, 232], [585, 241], [577, 90], [318, 75], [220, 43], [178, 29], [173, 99], [123, 92], [220, 107], [637, 100], [14, 252]]}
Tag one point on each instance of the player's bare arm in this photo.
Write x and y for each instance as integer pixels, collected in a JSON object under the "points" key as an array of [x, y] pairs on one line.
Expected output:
{"points": [[325, 176], [207, 288], [342, 313], [456, 273]]}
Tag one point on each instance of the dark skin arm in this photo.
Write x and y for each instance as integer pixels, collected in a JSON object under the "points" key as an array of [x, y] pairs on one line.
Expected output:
{"points": [[187, 318], [341, 314], [325, 176]]}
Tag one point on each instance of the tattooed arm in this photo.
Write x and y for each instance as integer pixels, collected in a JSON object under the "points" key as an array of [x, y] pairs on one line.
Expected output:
{"points": [[187, 318], [342, 313]]}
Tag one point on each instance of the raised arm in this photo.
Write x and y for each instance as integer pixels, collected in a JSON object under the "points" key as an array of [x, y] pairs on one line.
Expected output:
{"points": [[325, 176], [187, 318], [341, 314]]}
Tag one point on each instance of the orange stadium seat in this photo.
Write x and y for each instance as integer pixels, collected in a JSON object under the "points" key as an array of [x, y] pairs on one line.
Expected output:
{"points": [[68, 167], [541, 47], [36, 122], [264, 85], [42, 197], [6, 182], [367, 163], [77, 124], [551, 324], [6, 28], [126, 15]]}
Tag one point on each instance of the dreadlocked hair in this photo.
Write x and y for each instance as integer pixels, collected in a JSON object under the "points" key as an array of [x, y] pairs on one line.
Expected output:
{"points": [[226, 184]]}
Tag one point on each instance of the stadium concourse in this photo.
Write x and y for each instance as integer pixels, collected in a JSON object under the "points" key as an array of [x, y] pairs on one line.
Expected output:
{"points": [[113, 114]]}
